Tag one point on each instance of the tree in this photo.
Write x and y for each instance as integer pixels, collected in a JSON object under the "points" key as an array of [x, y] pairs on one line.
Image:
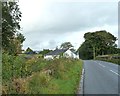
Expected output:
{"points": [[101, 42], [85, 51], [11, 16], [16, 44], [66, 45], [29, 50], [45, 51], [15, 47], [20, 37]]}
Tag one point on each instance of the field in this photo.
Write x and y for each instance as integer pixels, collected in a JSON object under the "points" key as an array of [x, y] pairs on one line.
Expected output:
{"points": [[26, 74]]}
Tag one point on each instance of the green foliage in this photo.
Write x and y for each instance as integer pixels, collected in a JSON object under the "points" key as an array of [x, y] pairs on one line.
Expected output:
{"points": [[45, 51], [37, 84], [11, 16], [63, 80], [10, 22], [97, 43], [66, 45], [39, 76], [12, 67], [16, 45], [7, 61], [116, 61], [20, 37], [29, 50], [18, 66], [85, 51], [110, 58]]}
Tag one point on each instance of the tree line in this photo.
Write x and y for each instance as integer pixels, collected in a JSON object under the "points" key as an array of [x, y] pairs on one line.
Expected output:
{"points": [[98, 43]]}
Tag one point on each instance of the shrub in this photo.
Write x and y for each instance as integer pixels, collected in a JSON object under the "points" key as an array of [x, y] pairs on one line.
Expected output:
{"points": [[63, 76]]}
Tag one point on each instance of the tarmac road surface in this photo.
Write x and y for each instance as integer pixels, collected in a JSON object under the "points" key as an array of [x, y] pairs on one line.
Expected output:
{"points": [[100, 77]]}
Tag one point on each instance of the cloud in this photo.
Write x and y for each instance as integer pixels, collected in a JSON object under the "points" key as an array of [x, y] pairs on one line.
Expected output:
{"points": [[60, 17], [50, 24]]}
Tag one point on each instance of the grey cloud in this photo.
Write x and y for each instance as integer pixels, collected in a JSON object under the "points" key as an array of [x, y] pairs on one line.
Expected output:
{"points": [[52, 44], [61, 18], [71, 17]]}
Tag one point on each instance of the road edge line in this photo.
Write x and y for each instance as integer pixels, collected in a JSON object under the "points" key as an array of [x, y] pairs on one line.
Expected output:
{"points": [[81, 84]]}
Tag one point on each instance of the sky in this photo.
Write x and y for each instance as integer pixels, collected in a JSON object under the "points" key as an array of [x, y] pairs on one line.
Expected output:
{"points": [[46, 24]]}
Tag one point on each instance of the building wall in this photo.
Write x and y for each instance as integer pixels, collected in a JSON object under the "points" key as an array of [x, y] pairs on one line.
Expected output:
{"points": [[67, 54], [70, 54], [51, 56], [48, 57]]}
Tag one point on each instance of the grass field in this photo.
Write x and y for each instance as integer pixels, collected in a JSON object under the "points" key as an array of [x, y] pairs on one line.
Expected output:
{"points": [[39, 76]]}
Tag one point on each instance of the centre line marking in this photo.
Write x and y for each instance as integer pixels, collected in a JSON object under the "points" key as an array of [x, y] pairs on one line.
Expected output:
{"points": [[101, 65], [114, 72]]}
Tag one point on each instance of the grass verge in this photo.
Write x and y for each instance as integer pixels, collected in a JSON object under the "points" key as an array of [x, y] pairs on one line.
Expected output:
{"points": [[59, 76], [115, 61]]}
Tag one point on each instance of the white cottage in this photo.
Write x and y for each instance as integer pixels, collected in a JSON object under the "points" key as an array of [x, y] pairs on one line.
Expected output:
{"points": [[68, 53]]}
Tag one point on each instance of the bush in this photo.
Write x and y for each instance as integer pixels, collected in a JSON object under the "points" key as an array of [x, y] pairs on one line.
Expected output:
{"points": [[59, 76], [7, 67], [112, 60]]}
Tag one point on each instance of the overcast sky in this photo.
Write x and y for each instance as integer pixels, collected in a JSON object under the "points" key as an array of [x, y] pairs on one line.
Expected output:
{"points": [[47, 24]]}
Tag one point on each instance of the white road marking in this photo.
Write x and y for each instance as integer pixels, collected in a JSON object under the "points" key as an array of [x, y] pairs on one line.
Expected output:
{"points": [[110, 70], [101, 65], [114, 72]]}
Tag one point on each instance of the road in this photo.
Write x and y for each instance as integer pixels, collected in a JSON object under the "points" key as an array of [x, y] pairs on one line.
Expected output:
{"points": [[100, 77]]}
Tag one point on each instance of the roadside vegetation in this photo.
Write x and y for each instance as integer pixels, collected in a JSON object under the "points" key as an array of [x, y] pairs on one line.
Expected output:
{"points": [[116, 61], [114, 58], [23, 75]]}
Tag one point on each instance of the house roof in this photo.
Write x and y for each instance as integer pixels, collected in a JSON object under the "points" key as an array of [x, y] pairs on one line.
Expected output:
{"points": [[72, 50], [57, 52]]}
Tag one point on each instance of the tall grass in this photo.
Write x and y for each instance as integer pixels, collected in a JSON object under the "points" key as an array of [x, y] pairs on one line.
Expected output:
{"points": [[39, 76], [64, 78]]}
